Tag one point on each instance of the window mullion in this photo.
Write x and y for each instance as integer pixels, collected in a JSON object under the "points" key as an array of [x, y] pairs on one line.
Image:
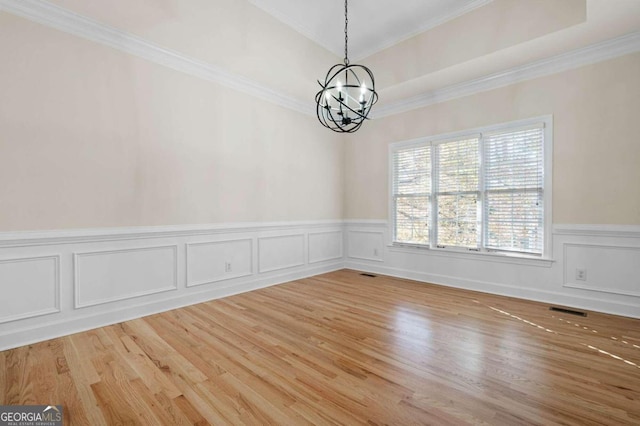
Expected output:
{"points": [[433, 235], [481, 195]]}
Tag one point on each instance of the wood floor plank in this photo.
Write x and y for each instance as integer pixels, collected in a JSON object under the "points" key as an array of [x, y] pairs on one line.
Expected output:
{"points": [[143, 367], [78, 353], [3, 381], [197, 404], [118, 397], [83, 375], [341, 348], [189, 411], [20, 375]]}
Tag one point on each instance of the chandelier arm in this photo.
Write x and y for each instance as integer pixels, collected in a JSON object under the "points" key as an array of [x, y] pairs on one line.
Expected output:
{"points": [[333, 120], [359, 115], [355, 111], [337, 128]]}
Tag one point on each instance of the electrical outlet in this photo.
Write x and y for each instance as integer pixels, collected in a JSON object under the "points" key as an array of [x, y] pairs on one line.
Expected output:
{"points": [[375, 252], [581, 274], [227, 266]]}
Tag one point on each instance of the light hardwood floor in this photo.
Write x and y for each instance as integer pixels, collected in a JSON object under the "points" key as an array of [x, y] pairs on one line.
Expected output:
{"points": [[340, 348]]}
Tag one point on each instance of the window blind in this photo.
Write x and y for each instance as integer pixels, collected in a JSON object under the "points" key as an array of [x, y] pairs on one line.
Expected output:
{"points": [[514, 182], [458, 169], [412, 194], [481, 191]]}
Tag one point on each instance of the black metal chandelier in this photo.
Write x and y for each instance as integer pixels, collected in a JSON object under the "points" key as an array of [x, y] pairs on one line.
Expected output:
{"points": [[348, 93]]}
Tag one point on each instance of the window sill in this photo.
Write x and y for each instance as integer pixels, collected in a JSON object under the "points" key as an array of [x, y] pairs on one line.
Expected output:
{"points": [[501, 257]]}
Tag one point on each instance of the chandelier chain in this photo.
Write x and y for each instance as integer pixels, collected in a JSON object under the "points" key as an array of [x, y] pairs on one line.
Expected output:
{"points": [[346, 36]]}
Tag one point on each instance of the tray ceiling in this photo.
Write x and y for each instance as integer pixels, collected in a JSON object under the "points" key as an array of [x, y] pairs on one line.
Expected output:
{"points": [[373, 24]]}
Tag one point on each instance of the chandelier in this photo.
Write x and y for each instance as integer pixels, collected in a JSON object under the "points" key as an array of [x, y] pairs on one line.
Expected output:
{"points": [[347, 94]]}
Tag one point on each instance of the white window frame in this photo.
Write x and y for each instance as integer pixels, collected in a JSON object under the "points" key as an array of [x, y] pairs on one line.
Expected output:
{"points": [[547, 121]]}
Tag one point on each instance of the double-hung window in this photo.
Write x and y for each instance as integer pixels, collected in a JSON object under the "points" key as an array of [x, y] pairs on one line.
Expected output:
{"points": [[485, 190]]}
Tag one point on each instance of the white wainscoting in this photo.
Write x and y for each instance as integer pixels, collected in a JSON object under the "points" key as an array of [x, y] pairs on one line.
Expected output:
{"points": [[280, 252], [325, 246], [113, 275], [56, 283], [214, 261], [38, 281], [365, 244], [610, 255], [608, 269], [61, 282]]}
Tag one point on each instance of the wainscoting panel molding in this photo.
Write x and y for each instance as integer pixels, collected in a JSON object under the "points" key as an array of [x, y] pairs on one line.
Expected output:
{"points": [[325, 246], [280, 252], [113, 275], [214, 261], [608, 269], [29, 287], [55, 283], [365, 244]]}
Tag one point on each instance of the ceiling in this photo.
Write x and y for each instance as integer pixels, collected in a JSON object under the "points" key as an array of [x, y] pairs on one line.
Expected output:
{"points": [[373, 24]]}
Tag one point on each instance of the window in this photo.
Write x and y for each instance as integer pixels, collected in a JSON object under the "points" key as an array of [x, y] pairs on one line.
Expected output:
{"points": [[486, 190]]}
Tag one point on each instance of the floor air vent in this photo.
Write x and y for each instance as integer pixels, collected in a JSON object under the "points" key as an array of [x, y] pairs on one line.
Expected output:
{"points": [[368, 275], [568, 311]]}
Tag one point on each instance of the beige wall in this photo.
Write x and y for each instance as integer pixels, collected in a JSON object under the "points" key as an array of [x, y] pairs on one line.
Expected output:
{"points": [[596, 147], [93, 137]]}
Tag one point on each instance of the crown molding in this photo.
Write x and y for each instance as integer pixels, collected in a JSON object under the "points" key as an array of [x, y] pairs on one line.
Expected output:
{"points": [[62, 19], [594, 53]]}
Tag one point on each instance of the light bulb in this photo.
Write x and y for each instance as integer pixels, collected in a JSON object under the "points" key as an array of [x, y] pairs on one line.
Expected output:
{"points": [[363, 88], [327, 95], [339, 86]]}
